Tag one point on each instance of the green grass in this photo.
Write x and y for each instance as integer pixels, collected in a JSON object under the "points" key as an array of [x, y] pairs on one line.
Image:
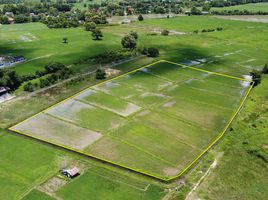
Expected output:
{"points": [[24, 164], [244, 150], [252, 7], [98, 187], [41, 45], [35, 194]]}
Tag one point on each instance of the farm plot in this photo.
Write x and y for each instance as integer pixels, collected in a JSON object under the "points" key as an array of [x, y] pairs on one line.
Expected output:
{"points": [[156, 120]]}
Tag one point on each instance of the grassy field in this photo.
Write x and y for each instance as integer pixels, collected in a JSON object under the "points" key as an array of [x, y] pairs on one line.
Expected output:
{"points": [[252, 7], [245, 151], [164, 91], [21, 167], [236, 50], [41, 45]]}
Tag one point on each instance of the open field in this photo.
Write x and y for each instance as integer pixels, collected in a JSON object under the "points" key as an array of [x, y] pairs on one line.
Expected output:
{"points": [[156, 126], [239, 48], [252, 7], [246, 151], [38, 44], [18, 173]]}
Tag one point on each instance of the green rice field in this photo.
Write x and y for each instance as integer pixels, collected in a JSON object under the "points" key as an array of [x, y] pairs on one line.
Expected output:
{"points": [[155, 120]]}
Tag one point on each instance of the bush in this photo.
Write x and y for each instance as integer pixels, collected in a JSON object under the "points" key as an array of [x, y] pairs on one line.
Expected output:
{"points": [[29, 87], [134, 34], [100, 74], [97, 34], [54, 67], [90, 26], [140, 18], [150, 52], [196, 31], [256, 77], [129, 42], [265, 69], [165, 32]]}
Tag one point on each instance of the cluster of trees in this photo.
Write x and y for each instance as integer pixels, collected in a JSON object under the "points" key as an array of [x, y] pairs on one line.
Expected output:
{"points": [[224, 3], [56, 71], [52, 73], [64, 20], [238, 12], [10, 79]]}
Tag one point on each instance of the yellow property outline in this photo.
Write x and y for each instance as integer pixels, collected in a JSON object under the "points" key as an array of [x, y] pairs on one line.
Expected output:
{"points": [[127, 167]]}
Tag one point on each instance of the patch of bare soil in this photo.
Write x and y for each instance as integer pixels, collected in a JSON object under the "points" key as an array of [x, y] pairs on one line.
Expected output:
{"points": [[170, 171], [111, 72], [52, 185]]}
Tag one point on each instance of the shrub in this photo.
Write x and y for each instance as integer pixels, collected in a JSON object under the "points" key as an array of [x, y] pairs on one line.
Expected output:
{"points": [[140, 18], [29, 87], [165, 32], [265, 69], [97, 34], [150, 52], [100, 74], [90, 26], [129, 42], [256, 77]]}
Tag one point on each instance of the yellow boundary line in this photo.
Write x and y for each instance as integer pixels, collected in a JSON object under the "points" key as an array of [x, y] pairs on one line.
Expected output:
{"points": [[127, 167]]}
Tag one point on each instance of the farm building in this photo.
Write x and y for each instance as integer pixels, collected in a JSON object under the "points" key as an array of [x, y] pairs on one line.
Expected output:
{"points": [[71, 172]]}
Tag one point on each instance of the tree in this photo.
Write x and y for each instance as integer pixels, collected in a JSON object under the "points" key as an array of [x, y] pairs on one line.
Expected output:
{"points": [[100, 74], [134, 34], [90, 26], [65, 40], [97, 34], [29, 87], [195, 11], [265, 69], [152, 52], [140, 18], [256, 77], [165, 32], [129, 42]]}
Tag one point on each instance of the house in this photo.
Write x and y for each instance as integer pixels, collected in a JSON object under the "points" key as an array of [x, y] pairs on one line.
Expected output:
{"points": [[4, 90], [71, 173]]}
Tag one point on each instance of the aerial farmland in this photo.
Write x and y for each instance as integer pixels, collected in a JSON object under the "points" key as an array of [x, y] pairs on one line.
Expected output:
{"points": [[125, 100]]}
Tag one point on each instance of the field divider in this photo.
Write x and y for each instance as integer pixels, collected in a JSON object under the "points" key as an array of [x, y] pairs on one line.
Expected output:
{"points": [[210, 72], [137, 170], [143, 150]]}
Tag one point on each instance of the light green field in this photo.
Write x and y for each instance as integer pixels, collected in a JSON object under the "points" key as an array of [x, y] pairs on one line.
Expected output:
{"points": [[252, 7], [24, 164], [97, 186], [191, 114]]}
